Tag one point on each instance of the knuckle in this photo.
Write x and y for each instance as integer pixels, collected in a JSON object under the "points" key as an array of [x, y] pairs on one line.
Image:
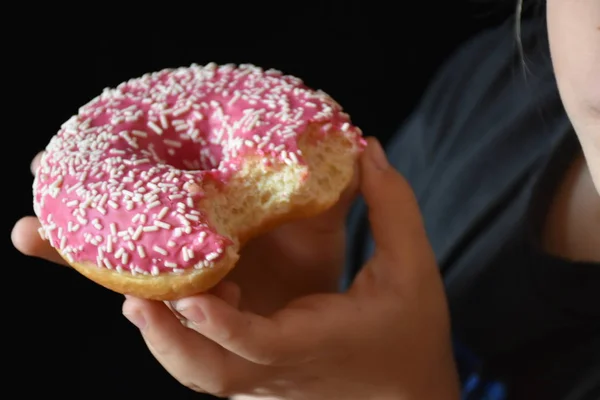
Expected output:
{"points": [[161, 349], [216, 381], [215, 388], [222, 387], [233, 331], [268, 357], [229, 333]]}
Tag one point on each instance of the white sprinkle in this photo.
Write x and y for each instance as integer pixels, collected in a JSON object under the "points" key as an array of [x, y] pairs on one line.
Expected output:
{"points": [[107, 263], [180, 111], [141, 251], [170, 264], [183, 220], [138, 232], [160, 250], [181, 127], [141, 134], [138, 162], [155, 128], [162, 213], [163, 121], [162, 224], [172, 143], [192, 217], [153, 204]]}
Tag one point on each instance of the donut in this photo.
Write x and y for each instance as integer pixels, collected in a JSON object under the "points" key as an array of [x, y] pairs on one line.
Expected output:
{"points": [[155, 185]]}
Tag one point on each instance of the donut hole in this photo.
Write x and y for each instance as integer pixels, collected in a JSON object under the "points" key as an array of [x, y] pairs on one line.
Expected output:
{"points": [[189, 157]]}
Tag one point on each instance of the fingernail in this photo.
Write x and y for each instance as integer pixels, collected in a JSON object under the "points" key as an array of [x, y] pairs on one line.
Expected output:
{"points": [[377, 155], [190, 312], [137, 319]]}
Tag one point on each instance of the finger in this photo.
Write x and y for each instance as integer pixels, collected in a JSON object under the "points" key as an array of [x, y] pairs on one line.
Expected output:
{"points": [[27, 240], [289, 336], [394, 213], [35, 163], [192, 359], [227, 291]]}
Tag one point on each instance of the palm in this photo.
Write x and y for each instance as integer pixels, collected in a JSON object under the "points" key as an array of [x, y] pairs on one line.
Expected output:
{"points": [[294, 260]]}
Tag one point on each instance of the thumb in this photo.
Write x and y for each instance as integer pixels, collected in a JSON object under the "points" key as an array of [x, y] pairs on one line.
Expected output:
{"points": [[394, 213]]}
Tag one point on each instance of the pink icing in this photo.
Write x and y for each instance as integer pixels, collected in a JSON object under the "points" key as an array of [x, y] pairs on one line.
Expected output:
{"points": [[118, 182]]}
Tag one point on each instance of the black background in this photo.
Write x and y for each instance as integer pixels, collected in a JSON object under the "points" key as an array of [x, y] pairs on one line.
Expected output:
{"points": [[68, 336]]}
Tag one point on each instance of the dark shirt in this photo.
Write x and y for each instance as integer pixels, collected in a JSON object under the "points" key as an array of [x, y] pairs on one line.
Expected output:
{"points": [[484, 152]]}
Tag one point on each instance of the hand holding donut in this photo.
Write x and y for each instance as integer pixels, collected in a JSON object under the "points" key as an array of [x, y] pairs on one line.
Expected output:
{"points": [[388, 337], [159, 187], [304, 256]]}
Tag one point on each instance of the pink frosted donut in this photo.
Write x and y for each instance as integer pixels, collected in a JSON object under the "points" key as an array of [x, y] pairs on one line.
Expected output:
{"points": [[153, 186]]}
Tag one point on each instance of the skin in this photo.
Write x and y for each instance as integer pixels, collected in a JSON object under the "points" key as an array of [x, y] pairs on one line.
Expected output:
{"points": [[574, 220], [245, 339]]}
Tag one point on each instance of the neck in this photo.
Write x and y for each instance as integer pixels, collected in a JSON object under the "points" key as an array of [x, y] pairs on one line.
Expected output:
{"points": [[572, 228]]}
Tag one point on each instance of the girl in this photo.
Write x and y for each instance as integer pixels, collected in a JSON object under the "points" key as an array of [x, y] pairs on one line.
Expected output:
{"points": [[472, 261]]}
